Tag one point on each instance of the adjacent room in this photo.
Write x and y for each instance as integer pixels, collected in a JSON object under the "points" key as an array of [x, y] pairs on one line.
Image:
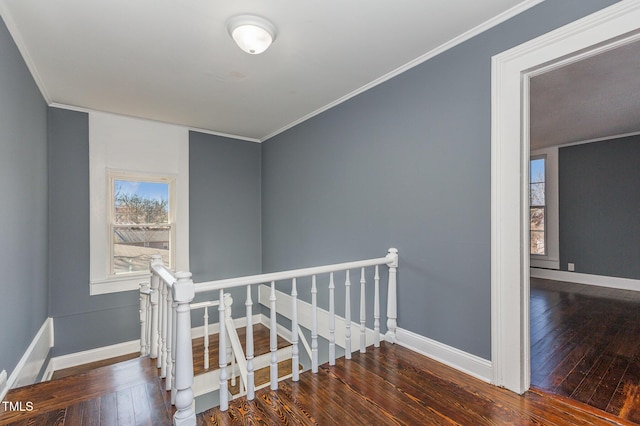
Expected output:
{"points": [[585, 232]]}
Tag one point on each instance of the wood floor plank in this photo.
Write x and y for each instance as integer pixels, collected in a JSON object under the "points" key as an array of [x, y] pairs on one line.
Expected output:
{"points": [[91, 415], [141, 408], [124, 404], [590, 358], [74, 414], [108, 409], [389, 386]]}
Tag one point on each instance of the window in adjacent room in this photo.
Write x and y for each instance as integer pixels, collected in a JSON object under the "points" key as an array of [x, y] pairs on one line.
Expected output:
{"points": [[141, 223], [537, 205]]}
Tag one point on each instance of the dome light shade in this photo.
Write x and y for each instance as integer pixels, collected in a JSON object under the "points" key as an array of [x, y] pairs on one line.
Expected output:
{"points": [[252, 34]]}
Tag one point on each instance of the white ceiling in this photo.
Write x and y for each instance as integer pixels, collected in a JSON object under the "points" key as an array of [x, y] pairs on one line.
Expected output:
{"points": [[173, 61], [593, 98]]}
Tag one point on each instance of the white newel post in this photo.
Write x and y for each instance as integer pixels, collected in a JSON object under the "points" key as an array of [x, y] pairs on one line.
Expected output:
{"points": [[249, 346], [174, 310], [295, 361], [155, 283], [162, 309], [145, 290], [222, 355], [183, 294], [206, 337], [376, 308], [332, 321], [273, 337], [170, 342], [363, 313], [392, 298], [314, 325]]}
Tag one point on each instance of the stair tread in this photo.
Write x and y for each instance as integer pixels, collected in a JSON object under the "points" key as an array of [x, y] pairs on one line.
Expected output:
{"points": [[261, 342]]}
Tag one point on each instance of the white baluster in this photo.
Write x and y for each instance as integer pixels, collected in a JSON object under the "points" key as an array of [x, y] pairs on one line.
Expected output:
{"points": [[206, 337], [155, 283], [363, 314], [222, 355], [294, 332], [347, 317], [273, 337], [144, 298], [169, 342], [228, 303], [392, 310], [314, 325], [376, 309], [249, 345], [332, 321], [183, 293]]}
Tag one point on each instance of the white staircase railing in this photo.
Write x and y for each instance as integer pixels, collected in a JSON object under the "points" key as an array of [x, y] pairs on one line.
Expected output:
{"points": [[165, 317]]}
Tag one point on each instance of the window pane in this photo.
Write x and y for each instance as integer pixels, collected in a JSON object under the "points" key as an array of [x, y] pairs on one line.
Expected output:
{"points": [[537, 242], [536, 170], [536, 194], [134, 245], [537, 218], [139, 202]]}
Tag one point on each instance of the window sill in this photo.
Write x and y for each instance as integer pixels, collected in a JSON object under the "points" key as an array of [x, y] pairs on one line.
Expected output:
{"points": [[118, 284], [544, 263]]}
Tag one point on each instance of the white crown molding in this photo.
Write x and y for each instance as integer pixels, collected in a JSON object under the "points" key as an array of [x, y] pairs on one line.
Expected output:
{"points": [[189, 128], [22, 48], [496, 20]]}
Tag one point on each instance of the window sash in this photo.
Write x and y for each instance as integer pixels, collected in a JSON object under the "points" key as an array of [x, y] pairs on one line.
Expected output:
{"points": [[133, 259]]}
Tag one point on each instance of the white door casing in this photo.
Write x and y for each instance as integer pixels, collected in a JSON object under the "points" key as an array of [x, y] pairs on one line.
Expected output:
{"points": [[511, 71]]}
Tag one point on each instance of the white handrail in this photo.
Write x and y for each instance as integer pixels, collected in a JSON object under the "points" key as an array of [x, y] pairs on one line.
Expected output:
{"points": [[166, 310], [295, 273]]}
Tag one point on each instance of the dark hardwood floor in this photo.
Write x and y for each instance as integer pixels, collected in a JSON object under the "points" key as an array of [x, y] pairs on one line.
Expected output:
{"points": [[392, 385], [126, 393], [585, 345], [388, 385]]}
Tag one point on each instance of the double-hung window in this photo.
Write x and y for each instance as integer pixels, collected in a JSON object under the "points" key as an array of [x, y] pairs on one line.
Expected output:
{"points": [[142, 222], [537, 205]]}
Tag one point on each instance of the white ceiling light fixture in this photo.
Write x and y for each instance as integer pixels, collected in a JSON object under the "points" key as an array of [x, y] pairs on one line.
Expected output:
{"points": [[251, 33]]}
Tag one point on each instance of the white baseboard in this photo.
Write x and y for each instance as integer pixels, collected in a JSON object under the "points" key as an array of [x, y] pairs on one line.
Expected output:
{"points": [[111, 351], [473, 365], [578, 278], [29, 366], [91, 355]]}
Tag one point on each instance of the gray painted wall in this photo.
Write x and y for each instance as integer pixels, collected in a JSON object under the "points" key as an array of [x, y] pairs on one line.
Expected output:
{"points": [[23, 213], [406, 164], [600, 207], [81, 321], [224, 210]]}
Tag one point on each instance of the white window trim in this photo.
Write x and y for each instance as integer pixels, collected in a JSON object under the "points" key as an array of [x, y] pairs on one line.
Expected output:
{"points": [[551, 260], [133, 146], [112, 176]]}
